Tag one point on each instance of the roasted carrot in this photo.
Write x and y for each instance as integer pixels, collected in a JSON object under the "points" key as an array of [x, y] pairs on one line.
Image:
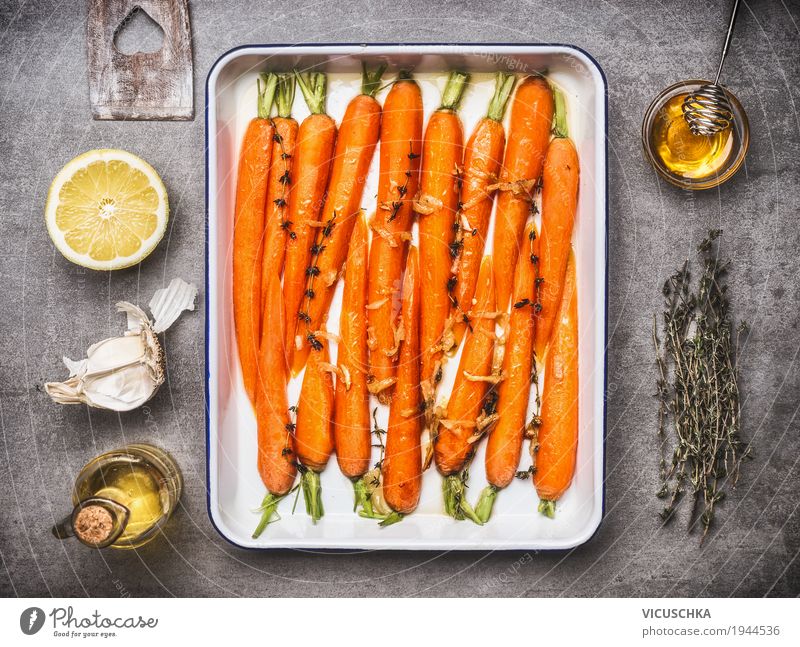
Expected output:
{"points": [[469, 412], [560, 178], [313, 432], [277, 203], [352, 432], [312, 162], [457, 433], [276, 461], [248, 232], [437, 205], [355, 146], [483, 157], [401, 143], [402, 464], [528, 137], [556, 446], [505, 440]]}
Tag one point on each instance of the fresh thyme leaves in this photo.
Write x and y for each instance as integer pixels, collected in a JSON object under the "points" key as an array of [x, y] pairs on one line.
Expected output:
{"points": [[698, 390], [402, 190], [312, 271]]}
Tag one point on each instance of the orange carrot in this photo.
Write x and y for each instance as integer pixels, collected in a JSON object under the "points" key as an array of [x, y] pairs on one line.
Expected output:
{"points": [[248, 232], [355, 146], [276, 463], [528, 137], [505, 440], [557, 435], [402, 464], [456, 437], [470, 409], [352, 432], [482, 160], [313, 432], [401, 143], [560, 179], [312, 162], [280, 171], [437, 205]]}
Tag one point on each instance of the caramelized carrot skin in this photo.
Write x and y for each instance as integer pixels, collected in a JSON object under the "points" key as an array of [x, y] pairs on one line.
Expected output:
{"points": [[352, 433], [248, 232], [286, 130], [275, 442], [452, 448], [402, 465], [355, 147], [315, 142], [482, 160], [558, 433], [314, 432], [560, 179], [528, 137], [504, 447], [442, 152], [401, 143]]}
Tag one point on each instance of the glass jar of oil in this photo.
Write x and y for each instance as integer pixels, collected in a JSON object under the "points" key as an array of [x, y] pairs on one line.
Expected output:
{"points": [[123, 497], [687, 160]]}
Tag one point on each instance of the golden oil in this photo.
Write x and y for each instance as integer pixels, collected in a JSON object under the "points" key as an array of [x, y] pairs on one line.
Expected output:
{"points": [[683, 153], [142, 478]]}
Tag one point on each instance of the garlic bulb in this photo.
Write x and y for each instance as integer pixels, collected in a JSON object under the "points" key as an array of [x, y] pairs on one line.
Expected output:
{"points": [[122, 373]]}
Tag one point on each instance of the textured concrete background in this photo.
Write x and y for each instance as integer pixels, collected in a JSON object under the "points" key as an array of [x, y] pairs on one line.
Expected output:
{"points": [[50, 307]]}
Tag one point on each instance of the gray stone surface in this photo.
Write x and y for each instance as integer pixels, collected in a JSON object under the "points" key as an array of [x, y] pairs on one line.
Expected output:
{"points": [[51, 307]]}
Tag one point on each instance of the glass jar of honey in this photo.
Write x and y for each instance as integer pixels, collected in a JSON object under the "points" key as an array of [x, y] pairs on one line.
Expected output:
{"points": [[123, 498], [683, 158]]}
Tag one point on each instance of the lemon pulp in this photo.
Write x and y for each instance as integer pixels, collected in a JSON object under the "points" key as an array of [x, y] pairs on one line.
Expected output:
{"points": [[107, 209]]}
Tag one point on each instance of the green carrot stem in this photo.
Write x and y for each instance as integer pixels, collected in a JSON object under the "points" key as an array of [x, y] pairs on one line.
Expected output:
{"points": [[560, 128], [483, 509], [454, 90], [284, 97], [266, 85], [404, 75], [361, 498], [269, 507], [392, 518], [313, 85], [547, 508], [504, 84], [312, 495], [455, 499], [371, 81]]}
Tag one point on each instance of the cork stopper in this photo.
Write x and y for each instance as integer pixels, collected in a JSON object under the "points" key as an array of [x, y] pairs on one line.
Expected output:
{"points": [[93, 524], [96, 522]]}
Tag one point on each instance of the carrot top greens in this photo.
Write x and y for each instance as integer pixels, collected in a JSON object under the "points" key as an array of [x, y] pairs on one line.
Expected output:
{"points": [[266, 85], [454, 90], [313, 85], [284, 96], [504, 84], [371, 81]]}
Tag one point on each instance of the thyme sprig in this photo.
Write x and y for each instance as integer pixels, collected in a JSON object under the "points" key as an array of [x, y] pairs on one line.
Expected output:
{"points": [[402, 190], [313, 271], [698, 389]]}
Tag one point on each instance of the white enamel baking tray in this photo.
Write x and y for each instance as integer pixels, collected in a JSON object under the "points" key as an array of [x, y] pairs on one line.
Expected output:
{"points": [[234, 487]]}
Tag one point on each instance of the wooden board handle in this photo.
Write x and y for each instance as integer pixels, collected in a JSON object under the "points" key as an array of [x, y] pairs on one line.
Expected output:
{"points": [[154, 85]]}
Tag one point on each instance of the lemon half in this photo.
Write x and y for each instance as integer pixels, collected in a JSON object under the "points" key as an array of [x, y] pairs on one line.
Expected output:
{"points": [[107, 209]]}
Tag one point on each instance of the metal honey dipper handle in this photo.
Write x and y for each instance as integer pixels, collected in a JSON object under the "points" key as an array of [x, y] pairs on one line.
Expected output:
{"points": [[708, 110]]}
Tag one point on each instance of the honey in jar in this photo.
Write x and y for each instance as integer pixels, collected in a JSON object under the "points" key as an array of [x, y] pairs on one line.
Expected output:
{"points": [[682, 152]]}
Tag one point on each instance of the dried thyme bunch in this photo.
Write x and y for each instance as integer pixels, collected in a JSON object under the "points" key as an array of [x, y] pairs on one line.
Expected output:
{"points": [[698, 389]]}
